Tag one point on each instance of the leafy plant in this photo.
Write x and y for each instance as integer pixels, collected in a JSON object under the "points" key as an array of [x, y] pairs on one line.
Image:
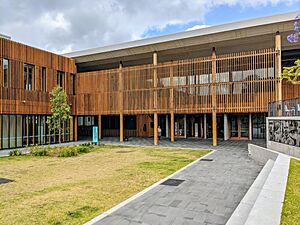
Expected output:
{"points": [[83, 149], [60, 110], [39, 151], [16, 153], [68, 152], [292, 73]]}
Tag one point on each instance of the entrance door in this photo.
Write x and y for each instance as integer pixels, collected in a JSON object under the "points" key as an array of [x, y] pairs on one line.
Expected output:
{"points": [[240, 126]]}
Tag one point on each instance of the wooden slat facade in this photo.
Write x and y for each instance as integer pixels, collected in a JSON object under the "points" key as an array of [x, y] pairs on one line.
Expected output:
{"points": [[14, 99], [245, 82]]}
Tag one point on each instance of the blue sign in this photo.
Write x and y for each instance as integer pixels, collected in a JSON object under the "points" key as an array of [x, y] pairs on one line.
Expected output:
{"points": [[95, 135]]}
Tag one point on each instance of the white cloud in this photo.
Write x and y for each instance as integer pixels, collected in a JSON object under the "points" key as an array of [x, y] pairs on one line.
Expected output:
{"points": [[196, 27], [61, 26]]}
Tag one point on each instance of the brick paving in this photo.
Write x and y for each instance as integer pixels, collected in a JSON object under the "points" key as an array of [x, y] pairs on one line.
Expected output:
{"points": [[210, 193]]}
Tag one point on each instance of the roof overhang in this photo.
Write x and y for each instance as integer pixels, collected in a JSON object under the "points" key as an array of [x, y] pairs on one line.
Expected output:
{"points": [[237, 36]]}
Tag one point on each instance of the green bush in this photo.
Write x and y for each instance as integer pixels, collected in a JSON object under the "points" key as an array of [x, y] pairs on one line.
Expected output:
{"points": [[68, 152], [83, 148], [39, 151], [15, 153]]}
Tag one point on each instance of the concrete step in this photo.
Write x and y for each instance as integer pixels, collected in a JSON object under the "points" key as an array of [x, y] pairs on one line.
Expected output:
{"points": [[268, 205], [242, 211]]}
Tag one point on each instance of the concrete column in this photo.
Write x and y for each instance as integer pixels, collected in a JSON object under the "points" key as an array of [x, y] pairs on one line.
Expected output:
{"points": [[226, 128], [204, 127], [167, 126], [172, 127], [184, 124], [250, 126]]}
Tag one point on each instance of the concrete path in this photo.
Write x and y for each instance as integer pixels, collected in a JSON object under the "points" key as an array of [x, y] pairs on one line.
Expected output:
{"points": [[209, 194]]}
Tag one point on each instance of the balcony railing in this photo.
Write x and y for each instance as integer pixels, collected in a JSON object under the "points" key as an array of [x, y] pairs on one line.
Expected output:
{"points": [[289, 107]]}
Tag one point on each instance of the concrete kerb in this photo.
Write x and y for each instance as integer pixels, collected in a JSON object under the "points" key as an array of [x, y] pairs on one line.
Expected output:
{"points": [[139, 194]]}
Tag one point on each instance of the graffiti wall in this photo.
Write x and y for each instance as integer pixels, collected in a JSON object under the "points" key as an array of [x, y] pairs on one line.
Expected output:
{"points": [[285, 132]]}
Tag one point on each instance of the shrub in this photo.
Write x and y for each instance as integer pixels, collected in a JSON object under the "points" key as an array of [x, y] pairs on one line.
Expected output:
{"points": [[39, 151], [15, 153], [83, 148], [68, 152]]}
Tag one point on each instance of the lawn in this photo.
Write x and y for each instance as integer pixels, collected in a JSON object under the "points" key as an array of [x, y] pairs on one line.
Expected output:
{"points": [[73, 190], [291, 207]]}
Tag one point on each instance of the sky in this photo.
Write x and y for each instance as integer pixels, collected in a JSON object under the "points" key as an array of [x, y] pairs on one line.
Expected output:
{"points": [[63, 26]]}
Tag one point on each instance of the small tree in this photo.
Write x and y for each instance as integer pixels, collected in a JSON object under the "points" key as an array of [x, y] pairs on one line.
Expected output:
{"points": [[292, 73], [60, 110]]}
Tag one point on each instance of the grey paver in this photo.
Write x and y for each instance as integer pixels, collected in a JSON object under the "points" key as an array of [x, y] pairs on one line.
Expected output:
{"points": [[210, 193]]}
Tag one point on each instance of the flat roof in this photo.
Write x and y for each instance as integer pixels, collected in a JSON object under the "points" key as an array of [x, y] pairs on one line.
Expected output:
{"points": [[155, 42]]}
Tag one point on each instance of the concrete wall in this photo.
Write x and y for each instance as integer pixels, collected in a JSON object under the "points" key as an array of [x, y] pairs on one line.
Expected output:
{"points": [[283, 135]]}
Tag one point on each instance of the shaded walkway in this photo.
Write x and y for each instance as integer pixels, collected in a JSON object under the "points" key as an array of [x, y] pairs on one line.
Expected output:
{"points": [[209, 194]]}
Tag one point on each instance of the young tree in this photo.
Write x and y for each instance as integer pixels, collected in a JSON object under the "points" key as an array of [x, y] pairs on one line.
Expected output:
{"points": [[292, 73], [60, 110]]}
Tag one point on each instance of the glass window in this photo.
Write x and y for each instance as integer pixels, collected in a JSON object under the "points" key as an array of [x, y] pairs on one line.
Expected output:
{"points": [[5, 72], [43, 84], [12, 131], [19, 131], [28, 77], [5, 125], [60, 79]]}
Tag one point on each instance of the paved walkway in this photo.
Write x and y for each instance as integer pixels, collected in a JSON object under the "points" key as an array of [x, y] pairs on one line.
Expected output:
{"points": [[210, 193]]}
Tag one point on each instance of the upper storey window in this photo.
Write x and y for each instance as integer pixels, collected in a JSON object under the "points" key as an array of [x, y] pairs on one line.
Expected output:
{"points": [[43, 80], [60, 79], [72, 84], [28, 77], [5, 72]]}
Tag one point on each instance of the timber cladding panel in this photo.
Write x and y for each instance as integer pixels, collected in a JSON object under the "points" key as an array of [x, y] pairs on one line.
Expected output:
{"points": [[14, 98], [244, 82]]}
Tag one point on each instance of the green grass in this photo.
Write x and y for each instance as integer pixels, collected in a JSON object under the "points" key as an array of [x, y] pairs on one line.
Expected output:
{"points": [[73, 190], [291, 207]]}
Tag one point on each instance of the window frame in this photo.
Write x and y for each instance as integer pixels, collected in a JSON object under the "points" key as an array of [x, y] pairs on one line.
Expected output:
{"points": [[44, 79], [5, 75], [26, 77]]}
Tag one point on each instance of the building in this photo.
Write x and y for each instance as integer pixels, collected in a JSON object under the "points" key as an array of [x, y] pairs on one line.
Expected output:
{"points": [[214, 83]]}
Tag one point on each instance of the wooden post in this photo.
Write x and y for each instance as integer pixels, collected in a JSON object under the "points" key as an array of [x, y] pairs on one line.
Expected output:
{"points": [[99, 128], [172, 102], [172, 127], [278, 71], [214, 97], [204, 127], [155, 98], [121, 103]]}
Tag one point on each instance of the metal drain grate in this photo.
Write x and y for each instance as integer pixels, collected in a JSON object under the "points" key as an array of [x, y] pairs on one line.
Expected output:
{"points": [[5, 181], [207, 160], [172, 182]]}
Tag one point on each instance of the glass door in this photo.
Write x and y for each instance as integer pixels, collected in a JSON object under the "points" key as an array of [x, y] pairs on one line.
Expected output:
{"points": [[240, 126]]}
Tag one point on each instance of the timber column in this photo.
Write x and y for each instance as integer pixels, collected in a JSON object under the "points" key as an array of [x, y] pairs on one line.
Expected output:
{"points": [[172, 102], [155, 98], [278, 72], [99, 128], [121, 103], [214, 97], [75, 129]]}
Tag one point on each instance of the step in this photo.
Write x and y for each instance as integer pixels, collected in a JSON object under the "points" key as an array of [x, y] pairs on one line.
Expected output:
{"points": [[242, 211], [268, 205]]}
